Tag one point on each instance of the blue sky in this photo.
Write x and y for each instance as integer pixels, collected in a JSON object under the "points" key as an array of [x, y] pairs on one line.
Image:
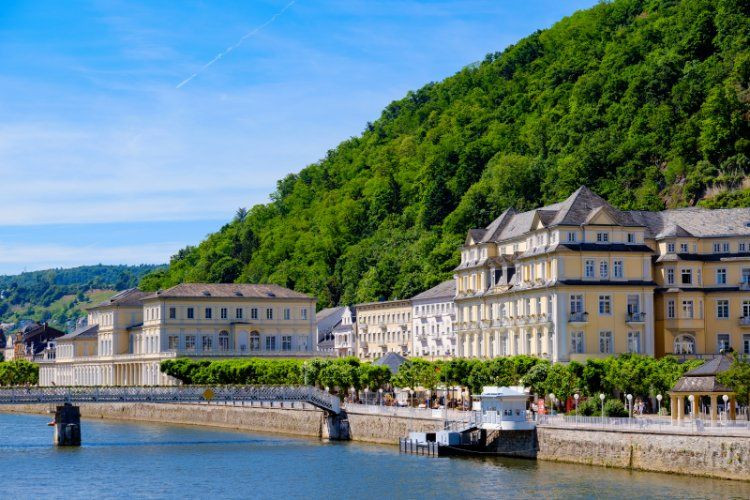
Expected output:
{"points": [[105, 157]]}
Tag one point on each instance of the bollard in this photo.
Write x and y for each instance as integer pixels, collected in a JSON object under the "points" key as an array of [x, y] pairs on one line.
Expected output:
{"points": [[67, 425]]}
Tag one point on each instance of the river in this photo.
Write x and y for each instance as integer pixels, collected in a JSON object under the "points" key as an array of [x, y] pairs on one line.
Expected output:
{"points": [[144, 460]]}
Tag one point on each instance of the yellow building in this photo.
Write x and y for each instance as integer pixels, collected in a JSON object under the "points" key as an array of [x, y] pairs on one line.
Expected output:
{"points": [[581, 279], [383, 327], [128, 336]]}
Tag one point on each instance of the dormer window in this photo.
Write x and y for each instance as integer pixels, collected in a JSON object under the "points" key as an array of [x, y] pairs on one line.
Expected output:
{"points": [[683, 247], [670, 247], [602, 237], [725, 247], [631, 237], [717, 247], [572, 237]]}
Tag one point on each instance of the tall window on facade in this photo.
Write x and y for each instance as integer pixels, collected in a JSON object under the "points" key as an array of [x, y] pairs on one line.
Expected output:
{"points": [[576, 343], [722, 309], [746, 344], [605, 343], [634, 304], [687, 309], [670, 276], [270, 343], [605, 305], [670, 247], [617, 269], [209, 313], [286, 343], [670, 308], [255, 341], [269, 313], [631, 237], [223, 313], [687, 276], [207, 343], [172, 313], [589, 269], [604, 269], [725, 247], [190, 342], [717, 247], [722, 342], [721, 276], [303, 313], [287, 313], [224, 340], [173, 342], [254, 313], [634, 342], [190, 313], [238, 313], [746, 308]]}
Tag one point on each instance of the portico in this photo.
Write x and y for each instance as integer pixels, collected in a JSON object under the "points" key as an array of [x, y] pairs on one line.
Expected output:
{"points": [[702, 383]]}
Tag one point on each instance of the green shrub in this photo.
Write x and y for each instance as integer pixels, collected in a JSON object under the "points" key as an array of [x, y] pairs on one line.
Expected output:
{"points": [[615, 408]]}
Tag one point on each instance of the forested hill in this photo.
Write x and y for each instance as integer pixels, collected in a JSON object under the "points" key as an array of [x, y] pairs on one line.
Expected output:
{"points": [[59, 295], [646, 102]]}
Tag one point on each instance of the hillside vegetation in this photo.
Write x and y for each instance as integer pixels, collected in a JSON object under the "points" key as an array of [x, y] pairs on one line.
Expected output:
{"points": [[644, 101], [60, 296]]}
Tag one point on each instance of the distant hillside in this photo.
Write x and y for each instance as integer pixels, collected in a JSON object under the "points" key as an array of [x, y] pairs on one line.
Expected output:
{"points": [[60, 295], [647, 102]]}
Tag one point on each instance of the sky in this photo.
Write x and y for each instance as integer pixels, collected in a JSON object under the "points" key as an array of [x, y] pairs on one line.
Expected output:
{"points": [[129, 130]]}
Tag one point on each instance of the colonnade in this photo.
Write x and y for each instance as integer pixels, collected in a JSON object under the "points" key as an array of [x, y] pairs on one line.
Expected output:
{"points": [[678, 405], [103, 374], [534, 341]]}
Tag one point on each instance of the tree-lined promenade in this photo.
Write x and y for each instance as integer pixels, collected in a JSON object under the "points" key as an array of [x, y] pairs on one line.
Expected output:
{"points": [[614, 376]]}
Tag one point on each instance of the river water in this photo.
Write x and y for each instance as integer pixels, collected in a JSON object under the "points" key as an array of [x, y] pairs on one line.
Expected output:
{"points": [[144, 460]]}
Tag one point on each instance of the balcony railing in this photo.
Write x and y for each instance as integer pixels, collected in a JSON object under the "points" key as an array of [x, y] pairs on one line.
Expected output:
{"points": [[636, 317], [579, 317], [745, 321], [745, 285]]}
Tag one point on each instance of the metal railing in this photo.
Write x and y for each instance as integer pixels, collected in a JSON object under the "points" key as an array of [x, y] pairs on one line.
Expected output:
{"points": [[409, 412], [578, 317], [638, 317], [662, 425], [181, 394]]}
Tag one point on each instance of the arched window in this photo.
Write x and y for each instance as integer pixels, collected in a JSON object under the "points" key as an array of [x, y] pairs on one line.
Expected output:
{"points": [[224, 340], [254, 341], [684, 344]]}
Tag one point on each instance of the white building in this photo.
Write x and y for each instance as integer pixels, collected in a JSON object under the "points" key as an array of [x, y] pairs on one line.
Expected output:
{"points": [[433, 317], [129, 335], [344, 334]]}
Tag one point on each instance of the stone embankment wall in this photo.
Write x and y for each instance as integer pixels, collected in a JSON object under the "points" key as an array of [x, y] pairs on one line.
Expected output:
{"points": [[725, 457], [293, 421]]}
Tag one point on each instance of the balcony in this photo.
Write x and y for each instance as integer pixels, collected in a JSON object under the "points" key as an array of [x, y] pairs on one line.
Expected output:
{"points": [[745, 321], [636, 317], [745, 284], [578, 317]]}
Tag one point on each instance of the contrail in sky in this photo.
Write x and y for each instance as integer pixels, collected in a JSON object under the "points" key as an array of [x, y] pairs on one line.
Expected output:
{"points": [[232, 47]]}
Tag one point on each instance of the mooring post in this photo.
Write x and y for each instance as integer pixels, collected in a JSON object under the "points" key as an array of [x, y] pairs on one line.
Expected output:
{"points": [[67, 425]]}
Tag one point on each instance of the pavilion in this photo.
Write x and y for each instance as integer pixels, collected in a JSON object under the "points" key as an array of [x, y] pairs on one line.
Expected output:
{"points": [[701, 382]]}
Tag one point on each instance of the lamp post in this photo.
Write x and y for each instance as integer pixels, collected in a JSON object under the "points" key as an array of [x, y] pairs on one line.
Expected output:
{"points": [[658, 402], [725, 398], [552, 400], [411, 401], [601, 397], [351, 391], [630, 405], [691, 398], [575, 397], [380, 396]]}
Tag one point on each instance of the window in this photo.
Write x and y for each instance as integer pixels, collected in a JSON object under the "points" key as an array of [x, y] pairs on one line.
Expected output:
{"points": [[670, 276], [634, 304], [746, 344], [254, 313], [223, 313], [173, 341], [303, 312], [634, 342], [286, 343], [270, 343], [740, 247], [572, 237], [209, 313], [722, 342], [670, 247], [670, 309], [722, 309], [725, 247], [603, 269], [687, 309], [717, 247], [576, 343], [269, 313], [683, 247], [746, 308], [190, 342], [605, 305], [617, 269], [589, 269], [287, 313], [255, 341], [238, 313], [172, 313], [631, 237], [207, 343], [190, 313], [605, 342], [745, 280], [684, 344], [687, 276], [721, 276], [602, 237], [224, 340]]}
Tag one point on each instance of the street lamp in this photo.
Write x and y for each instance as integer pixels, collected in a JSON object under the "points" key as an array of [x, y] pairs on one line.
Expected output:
{"points": [[601, 397], [691, 398], [326, 388], [630, 405], [380, 396], [351, 391], [552, 400], [411, 400], [725, 398], [576, 396], [658, 402]]}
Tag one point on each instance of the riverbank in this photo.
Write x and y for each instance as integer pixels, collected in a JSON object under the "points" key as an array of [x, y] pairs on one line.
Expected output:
{"points": [[722, 457]]}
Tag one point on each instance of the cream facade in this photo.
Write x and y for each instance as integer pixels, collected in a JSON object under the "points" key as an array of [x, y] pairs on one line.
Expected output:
{"points": [[134, 331], [434, 315], [344, 334], [383, 327]]}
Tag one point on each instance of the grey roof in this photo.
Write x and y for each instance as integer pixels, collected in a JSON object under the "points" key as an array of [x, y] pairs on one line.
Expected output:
{"points": [[88, 331], [327, 320], [129, 297], [226, 290], [446, 289], [493, 230], [715, 366], [695, 221], [703, 378], [392, 360]]}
